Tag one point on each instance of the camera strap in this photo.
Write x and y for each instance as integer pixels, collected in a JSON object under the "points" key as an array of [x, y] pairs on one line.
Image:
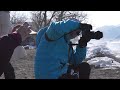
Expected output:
{"points": [[69, 59]]}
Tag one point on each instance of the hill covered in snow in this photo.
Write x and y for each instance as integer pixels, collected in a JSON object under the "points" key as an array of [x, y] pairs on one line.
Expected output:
{"points": [[110, 32]]}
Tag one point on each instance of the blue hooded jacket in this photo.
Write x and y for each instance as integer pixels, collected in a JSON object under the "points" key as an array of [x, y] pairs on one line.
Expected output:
{"points": [[51, 59]]}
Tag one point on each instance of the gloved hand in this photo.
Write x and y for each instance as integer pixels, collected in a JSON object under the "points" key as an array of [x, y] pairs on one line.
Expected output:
{"points": [[86, 34], [83, 41], [85, 26]]}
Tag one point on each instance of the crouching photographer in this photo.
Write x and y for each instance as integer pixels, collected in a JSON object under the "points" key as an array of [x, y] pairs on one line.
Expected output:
{"points": [[55, 57]]}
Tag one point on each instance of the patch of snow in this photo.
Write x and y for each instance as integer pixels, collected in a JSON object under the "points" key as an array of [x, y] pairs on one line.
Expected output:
{"points": [[104, 62]]}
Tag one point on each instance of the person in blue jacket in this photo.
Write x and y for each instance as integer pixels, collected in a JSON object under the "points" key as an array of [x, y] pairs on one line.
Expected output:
{"points": [[53, 53]]}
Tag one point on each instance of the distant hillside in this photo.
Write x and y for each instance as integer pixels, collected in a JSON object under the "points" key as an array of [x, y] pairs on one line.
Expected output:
{"points": [[110, 32], [117, 38]]}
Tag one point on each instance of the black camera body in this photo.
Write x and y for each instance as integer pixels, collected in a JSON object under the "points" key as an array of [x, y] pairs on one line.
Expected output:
{"points": [[87, 34], [92, 35]]}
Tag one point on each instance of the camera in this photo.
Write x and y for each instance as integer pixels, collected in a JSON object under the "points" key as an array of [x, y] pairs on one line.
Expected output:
{"points": [[92, 35], [87, 34]]}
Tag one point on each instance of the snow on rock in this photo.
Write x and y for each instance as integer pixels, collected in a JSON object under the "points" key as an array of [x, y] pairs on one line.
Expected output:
{"points": [[114, 45], [98, 51], [100, 55], [104, 62]]}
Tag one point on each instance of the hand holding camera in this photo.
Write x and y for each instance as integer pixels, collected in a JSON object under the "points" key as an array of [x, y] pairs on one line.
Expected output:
{"points": [[87, 34]]}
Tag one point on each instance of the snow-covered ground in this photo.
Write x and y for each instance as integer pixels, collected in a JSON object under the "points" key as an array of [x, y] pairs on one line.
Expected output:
{"points": [[103, 54]]}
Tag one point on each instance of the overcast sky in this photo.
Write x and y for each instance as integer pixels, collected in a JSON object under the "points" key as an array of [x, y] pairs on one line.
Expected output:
{"points": [[98, 18], [101, 18]]}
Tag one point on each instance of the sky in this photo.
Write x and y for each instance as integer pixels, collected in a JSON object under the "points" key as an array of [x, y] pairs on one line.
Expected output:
{"points": [[102, 18], [97, 18]]}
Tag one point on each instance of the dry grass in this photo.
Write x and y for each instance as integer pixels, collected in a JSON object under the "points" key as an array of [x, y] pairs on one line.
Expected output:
{"points": [[24, 69]]}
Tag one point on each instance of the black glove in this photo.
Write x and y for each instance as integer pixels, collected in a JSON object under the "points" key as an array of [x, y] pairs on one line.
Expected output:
{"points": [[86, 34], [85, 26], [83, 41]]}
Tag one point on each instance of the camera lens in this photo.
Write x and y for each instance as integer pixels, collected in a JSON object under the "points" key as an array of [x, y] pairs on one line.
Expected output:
{"points": [[98, 35]]}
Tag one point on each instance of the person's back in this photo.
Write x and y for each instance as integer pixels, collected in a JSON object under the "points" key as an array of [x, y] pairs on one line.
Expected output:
{"points": [[40, 33], [19, 51], [42, 46], [51, 60]]}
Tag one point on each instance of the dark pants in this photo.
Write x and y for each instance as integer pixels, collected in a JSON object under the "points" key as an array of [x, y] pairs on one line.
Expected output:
{"points": [[8, 71], [83, 69]]}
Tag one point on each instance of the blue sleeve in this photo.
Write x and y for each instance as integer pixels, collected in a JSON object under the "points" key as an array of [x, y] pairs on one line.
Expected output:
{"points": [[58, 29], [78, 56], [39, 35]]}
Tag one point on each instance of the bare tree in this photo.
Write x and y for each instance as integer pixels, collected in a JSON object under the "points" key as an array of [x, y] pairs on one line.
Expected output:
{"points": [[43, 18], [72, 14], [36, 18], [16, 18], [63, 15]]}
